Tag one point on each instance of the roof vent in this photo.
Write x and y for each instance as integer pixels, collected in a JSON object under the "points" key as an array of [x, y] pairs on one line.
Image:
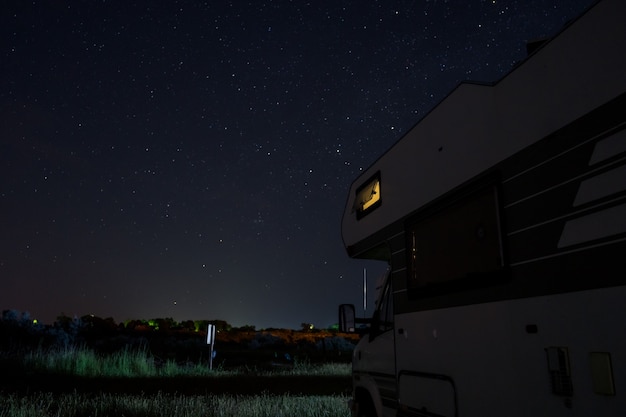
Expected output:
{"points": [[533, 45]]}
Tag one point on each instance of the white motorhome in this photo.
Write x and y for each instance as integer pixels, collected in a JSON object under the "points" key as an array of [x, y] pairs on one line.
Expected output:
{"points": [[502, 216]]}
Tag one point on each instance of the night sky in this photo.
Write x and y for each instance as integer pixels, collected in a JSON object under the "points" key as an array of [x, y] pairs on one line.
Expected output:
{"points": [[192, 159]]}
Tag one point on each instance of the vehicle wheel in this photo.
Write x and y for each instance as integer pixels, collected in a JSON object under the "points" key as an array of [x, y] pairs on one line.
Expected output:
{"points": [[364, 407]]}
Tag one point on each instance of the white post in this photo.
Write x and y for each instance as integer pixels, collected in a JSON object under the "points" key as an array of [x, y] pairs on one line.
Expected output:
{"points": [[210, 340]]}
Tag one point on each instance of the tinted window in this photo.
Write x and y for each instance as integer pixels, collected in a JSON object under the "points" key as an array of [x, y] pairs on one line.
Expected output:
{"points": [[461, 241]]}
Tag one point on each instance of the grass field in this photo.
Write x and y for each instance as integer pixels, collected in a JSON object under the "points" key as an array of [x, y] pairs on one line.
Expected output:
{"points": [[138, 363], [170, 405], [78, 382]]}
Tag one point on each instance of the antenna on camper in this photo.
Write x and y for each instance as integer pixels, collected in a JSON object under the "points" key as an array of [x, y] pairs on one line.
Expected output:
{"points": [[364, 289]]}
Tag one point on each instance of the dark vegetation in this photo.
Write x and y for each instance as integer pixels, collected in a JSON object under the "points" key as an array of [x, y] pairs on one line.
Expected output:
{"points": [[249, 352]]}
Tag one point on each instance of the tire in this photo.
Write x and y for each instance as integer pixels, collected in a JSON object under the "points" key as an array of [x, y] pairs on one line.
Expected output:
{"points": [[364, 406]]}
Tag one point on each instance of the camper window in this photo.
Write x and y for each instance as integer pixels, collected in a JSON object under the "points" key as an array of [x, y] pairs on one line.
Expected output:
{"points": [[368, 196], [382, 320], [460, 241]]}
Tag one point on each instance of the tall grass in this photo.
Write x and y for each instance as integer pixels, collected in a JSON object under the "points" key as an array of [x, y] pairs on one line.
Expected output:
{"points": [[139, 363], [303, 367], [124, 363], [168, 405]]}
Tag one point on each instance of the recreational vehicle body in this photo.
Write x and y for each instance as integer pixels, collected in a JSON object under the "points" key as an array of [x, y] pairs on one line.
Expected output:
{"points": [[502, 216]]}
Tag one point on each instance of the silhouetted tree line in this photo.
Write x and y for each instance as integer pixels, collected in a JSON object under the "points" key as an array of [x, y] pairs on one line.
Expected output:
{"points": [[19, 328], [164, 337]]}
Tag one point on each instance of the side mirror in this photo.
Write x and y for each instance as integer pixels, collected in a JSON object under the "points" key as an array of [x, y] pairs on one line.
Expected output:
{"points": [[347, 318]]}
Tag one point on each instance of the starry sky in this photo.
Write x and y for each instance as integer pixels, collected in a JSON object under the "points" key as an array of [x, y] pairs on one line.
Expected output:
{"points": [[192, 159]]}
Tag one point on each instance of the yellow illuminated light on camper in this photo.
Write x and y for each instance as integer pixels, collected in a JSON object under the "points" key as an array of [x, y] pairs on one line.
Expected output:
{"points": [[370, 195]]}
